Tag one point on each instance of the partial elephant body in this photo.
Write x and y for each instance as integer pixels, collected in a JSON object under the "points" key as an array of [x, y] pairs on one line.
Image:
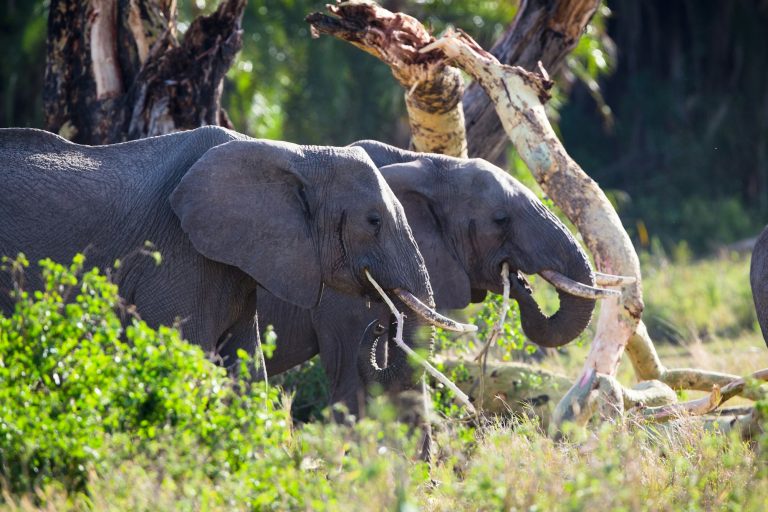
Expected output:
{"points": [[468, 218], [758, 278], [106, 201], [226, 212]]}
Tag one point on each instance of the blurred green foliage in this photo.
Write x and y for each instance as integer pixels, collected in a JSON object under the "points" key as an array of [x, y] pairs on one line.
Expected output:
{"points": [[696, 299], [689, 145]]}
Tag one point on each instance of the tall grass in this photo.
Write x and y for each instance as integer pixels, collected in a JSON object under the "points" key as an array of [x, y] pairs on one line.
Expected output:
{"points": [[686, 299]]}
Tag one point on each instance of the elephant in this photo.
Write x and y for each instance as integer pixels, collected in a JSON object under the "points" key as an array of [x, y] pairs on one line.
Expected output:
{"points": [[229, 215], [758, 279], [468, 217]]}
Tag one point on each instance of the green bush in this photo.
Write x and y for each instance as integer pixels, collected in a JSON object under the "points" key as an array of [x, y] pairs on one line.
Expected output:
{"points": [[95, 415], [78, 389]]}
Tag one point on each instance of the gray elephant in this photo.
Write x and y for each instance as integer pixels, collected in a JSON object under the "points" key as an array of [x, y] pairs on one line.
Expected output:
{"points": [[758, 278], [468, 217], [226, 212]]}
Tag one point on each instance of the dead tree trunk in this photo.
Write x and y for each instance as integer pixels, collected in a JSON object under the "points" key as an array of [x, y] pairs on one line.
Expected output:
{"points": [[543, 31], [116, 70], [438, 107]]}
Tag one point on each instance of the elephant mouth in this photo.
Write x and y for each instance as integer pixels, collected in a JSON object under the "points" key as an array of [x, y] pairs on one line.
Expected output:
{"points": [[563, 283], [380, 351]]}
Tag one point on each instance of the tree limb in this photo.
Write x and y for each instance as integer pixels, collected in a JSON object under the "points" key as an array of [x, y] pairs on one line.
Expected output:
{"points": [[704, 405], [433, 89]]}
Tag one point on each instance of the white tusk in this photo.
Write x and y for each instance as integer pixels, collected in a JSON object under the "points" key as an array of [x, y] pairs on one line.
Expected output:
{"points": [[430, 315], [575, 288], [612, 280]]}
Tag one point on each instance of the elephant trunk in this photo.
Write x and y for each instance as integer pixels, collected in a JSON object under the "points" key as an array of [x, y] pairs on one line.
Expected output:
{"points": [[397, 373], [571, 318]]}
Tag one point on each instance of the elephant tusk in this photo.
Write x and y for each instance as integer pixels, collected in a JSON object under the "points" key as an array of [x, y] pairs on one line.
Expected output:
{"points": [[575, 288], [430, 315], [612, 280]]}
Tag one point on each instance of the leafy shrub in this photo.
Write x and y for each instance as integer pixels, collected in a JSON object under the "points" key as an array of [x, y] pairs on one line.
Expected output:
{"points": [[78, 388], [94, 416]]}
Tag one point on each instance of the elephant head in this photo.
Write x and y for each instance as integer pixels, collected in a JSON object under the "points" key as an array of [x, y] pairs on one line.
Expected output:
{"points": [[469, 217], [296, 218]]}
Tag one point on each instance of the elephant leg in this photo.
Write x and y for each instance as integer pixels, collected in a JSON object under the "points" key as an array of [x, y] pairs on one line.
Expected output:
{"points": [[338, 355], [244, 335]]}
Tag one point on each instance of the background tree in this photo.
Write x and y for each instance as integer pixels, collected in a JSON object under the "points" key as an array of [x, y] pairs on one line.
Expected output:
{"points": [[684, 157], [116, 70]]}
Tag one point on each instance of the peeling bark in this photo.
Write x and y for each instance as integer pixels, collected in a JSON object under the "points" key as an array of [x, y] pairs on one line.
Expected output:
{"points": [[543, 31], [115, 70], [433, 89], [106, 72]]}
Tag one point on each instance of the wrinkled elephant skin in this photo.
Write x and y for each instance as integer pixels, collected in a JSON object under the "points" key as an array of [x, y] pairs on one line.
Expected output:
{"points": [[227, 213], [468, 217]]}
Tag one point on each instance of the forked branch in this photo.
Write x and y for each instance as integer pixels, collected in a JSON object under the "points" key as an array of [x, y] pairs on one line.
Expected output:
{"points": [[433, 89]]}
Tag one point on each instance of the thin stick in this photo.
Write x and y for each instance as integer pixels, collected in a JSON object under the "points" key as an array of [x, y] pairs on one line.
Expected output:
{"points": [[408, 350], [499, 325], [496, 331]]}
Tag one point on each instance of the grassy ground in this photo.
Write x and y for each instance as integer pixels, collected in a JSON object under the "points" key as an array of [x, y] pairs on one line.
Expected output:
{"points": [[499, 465]]}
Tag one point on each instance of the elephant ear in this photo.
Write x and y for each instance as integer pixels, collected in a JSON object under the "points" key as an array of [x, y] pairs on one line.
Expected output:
{"points": [[414, 184], [247, 204]]}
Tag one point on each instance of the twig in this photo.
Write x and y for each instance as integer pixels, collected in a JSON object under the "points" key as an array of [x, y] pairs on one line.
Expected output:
{"points": [[499, 325], [400, 318], [496, 331]]}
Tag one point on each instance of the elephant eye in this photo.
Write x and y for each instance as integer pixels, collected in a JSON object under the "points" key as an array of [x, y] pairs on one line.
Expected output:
{"points": [[501, 219], [374, 219], [379, 330]]}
